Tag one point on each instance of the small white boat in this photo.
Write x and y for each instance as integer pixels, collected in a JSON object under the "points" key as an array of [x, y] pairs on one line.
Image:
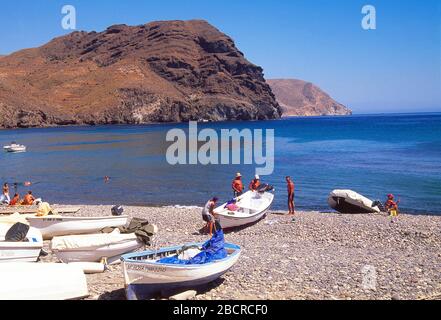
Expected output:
{"points": [[144, 276], [348, 201], [253, 206], [53, 226], [15, 148], [94, 247], [24, 251], [41, 281]]}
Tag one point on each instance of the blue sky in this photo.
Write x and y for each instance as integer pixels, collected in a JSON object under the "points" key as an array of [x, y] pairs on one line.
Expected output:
{"points": [[395, 68]]}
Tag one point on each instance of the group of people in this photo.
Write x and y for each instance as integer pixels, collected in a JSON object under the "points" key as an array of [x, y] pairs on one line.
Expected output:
{"points": [[238, 189], [209, 216], [5, 198]]}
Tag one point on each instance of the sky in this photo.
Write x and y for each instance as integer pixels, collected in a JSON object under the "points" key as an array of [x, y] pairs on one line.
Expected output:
{"points": [[394, 68]]}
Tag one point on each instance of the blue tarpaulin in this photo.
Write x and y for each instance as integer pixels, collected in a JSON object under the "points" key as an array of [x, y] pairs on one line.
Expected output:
{"points": [[213, 249]]}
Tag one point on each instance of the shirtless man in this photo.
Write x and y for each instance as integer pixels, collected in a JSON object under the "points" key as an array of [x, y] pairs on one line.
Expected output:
{"points": [[290, 186], [28, 199]]}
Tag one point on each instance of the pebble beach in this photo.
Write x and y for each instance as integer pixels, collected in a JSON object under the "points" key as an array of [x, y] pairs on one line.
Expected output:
{"points": [[315, 256]]}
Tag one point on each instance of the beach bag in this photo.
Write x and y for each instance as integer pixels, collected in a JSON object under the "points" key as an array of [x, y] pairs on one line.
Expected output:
{"points": [[44, 209]]}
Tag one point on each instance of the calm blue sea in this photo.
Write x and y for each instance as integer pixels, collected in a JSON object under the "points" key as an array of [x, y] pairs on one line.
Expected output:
{"points": [[373, 155]]}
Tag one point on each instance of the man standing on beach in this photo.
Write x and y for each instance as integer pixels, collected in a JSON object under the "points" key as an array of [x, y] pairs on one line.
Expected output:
{"points": [[237, 185], [208, 214], [290, 185]]}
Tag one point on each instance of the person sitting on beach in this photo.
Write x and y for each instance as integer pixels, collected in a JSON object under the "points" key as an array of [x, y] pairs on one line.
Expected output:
{"points": [[15, 201], [28, 199], [255, 183], [208, 214], [5, 198], [237, 185], [391, 206], [232, 206]]}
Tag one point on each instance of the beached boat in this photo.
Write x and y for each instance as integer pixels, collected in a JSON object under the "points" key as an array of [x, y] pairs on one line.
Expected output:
{"points": [[15, 148], [94, 247], [41, 281], [23, 251], [145, 276], [5, 210], [253, 206], [348, 201], [55, 225]]}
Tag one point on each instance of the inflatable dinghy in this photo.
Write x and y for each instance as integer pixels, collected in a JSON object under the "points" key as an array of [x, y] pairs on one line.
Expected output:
{"points": [[348, 201]]}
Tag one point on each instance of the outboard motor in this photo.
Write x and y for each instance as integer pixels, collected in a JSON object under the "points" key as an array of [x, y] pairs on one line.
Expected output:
{"points": [[117, 210], [264, 188]]}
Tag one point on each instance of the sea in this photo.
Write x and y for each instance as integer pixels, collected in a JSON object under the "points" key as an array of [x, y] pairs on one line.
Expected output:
{"points": [[371, 154]]}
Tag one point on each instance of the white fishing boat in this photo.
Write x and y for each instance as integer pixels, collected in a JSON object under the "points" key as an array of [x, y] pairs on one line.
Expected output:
{"points": [[145, 276], [94, 247], [23, 251], [56, 225], [253, 206], [15, 148], [348, 201], [42, 281]]}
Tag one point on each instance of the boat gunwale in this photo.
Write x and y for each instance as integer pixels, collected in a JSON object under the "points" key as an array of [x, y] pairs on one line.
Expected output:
{"points": [[72, 218]]}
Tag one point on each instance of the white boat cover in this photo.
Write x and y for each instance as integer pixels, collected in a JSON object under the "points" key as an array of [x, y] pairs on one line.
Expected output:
{"points": [[349, 194], [90, 240]]}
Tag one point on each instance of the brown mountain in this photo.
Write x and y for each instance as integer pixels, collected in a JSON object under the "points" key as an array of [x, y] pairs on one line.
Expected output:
{"points": [[166, 71], [300, 98]]}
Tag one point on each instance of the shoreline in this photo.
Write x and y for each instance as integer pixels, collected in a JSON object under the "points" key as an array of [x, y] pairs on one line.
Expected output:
{"points": [[296, 117], [318, 256]]}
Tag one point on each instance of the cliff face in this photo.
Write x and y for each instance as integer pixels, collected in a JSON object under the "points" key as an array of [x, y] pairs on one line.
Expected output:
{"points": [[159, 72], [300, 98]]}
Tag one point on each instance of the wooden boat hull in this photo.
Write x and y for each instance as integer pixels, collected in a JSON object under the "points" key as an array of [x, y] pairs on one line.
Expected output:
{"points": [[144, 279], [62, 225], [255, 208], [8, 210], [41, 281], [20, 251], [111, 250]]}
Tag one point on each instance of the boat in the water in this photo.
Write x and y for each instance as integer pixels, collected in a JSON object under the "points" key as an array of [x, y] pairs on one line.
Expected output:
{"points": [[348, 201], [94, 247], [55, 225], [15, 148], [253, 206], [42, 281], [27, 250], [151, 272]]}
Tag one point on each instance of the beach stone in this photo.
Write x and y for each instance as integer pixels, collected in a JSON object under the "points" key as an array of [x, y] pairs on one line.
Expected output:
{"points": [[187, 295]]}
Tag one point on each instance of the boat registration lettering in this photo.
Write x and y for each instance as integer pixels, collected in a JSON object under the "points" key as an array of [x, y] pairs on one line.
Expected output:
{"points": [[141, 267]]}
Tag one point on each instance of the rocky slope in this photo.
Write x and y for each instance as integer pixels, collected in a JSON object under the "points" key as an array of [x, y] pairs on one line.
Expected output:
{"points": [[166, 71], [300, 98]]}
